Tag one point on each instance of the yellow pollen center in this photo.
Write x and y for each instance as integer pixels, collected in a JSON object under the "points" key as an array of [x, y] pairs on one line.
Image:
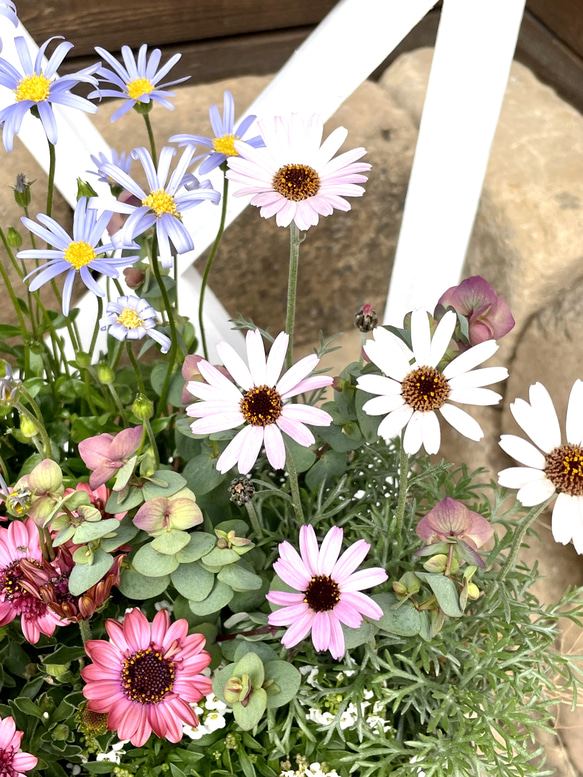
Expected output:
{"points": [[130, 319], [79, 254], [139, 87], [226, 145], [161, 202], [296, 182], [36, 88]]}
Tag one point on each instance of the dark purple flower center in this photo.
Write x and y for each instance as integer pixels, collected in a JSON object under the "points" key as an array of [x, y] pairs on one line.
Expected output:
{"points": [[23, 602], [425, 389], [564, 468], [261, 406], [6, 762], [296, 182], [322, 594], [147, 677]]}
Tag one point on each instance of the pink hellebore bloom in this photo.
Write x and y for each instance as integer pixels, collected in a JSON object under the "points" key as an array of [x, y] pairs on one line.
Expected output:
{"points": [[106, 453], [161, 514], [488, 315], [451, 520], [13, 761]]}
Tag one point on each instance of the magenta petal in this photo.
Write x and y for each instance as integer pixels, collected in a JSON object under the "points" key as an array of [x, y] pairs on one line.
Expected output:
{"points": [[288, 615], [291, 575], [136, 629], [284, 597], [347, 613]]}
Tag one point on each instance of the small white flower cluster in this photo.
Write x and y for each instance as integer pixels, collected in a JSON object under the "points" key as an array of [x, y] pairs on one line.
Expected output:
{"points": [[114, 755], [350, 715], [414, 760], [210, 713], [313, 770]]}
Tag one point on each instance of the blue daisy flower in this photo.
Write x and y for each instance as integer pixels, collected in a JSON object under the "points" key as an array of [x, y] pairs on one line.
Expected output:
{"points": [[131, 318], [137, 82], [226, 134], [163, 204], [38, 88], [74, 255], [123, 161]]}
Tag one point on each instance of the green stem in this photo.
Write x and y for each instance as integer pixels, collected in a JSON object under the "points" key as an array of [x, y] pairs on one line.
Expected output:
{"points": [[96, 327], [46, 443], [139, 378], [89, 398], [254, 519], [118, 403], [173, 335], [523, 527], [295, 488], [292, 285], [403, 486], [209, 264], [85, 630], [151, 136], [51, 184], [153, 444]]}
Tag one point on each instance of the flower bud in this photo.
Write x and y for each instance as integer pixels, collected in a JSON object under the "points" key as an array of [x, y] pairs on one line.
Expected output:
{"points": [[366, 319], [142, 407], [46, 478], [473, 591], [13, 238], [134, 277], [241, 490], [22, 190], [84, 189], [232, 690], [92, 724], [83, 359], [28, 428], [105, 374]]}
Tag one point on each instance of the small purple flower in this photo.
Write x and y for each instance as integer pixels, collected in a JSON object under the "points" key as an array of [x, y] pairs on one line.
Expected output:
{"points": [[162, 205], [106, 453], [123, 161], [226, 134], [78, 254], [452, 521], [488, 315], [133, 318], [38, 88], [137, 82]]}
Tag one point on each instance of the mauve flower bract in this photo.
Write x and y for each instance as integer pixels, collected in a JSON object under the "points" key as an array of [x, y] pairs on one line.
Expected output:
{"points": [[13, 761], [329, 590], [106, 453]]}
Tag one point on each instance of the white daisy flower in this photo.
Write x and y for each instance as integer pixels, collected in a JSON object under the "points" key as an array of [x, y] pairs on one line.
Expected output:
{"points": [[412, 389], [558, 469]]}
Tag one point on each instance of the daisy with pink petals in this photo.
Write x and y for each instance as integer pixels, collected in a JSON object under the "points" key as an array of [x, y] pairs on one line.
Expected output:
{"points": [[329, 590], [13, 762], [295, 177], [261, 402], [147, 676], [20, 541]]}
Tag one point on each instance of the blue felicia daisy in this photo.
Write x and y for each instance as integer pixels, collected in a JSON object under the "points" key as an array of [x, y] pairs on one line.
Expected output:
{"points": [[161, 205], [77, 254], [132, 318], [37, 88], [137, 82], [123, 161], [226, 134]]}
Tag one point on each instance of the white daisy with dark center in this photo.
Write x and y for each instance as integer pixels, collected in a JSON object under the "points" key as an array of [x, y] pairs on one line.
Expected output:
{"points": [[259, 401], [550, 466], [414, 388]]}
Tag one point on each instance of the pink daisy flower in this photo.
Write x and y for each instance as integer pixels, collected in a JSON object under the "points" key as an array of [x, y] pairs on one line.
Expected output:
{"points": [[329, 590], [13, 762], [295, 177], [147, 676], [260, 403], [20, 541]]}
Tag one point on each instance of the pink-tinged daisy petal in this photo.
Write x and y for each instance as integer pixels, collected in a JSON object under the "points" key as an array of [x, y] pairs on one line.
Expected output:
{"points": [[218, 422], [284, 598], [290, 575], [287, 615], [462, 422], [309, 384], [348, 614], [274, 446], [471, 358], [100, 688], [420, 336], [22, 762], [298, 630], [413, 437], [364, 578], [250, 451], [256, 357], [329, 551], [574, 424], [523, 451], [216, 378], [137, 630], [538, 432], [7, 731], [235, 365], [517, 477], [276, 359], [289, 555], [337, 643], [474, 396], [535, 492], [389, 354], [297, 431], [363, 604], [230, 456], [441, 338], [306, 414], [349, 561], [161, 625], [309, 550], [391, 426], [565, 515], [297, 373], [103, 652], [321, 631]]}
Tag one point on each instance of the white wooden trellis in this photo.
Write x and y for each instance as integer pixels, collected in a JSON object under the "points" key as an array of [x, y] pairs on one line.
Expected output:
{"points": [[474, 49]]}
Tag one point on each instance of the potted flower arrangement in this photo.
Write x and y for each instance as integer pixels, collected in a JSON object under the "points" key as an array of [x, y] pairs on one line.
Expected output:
{"points": [[236, 563]]}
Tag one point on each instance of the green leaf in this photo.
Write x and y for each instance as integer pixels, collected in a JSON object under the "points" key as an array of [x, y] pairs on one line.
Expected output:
{"points": [[136, 586], [265, 653], [193, 581], [117, 504], [125, 532], [288, 680], [369, 424], [150, 563], [83, 576], [70, 388], [239, 578], [182, 426], [302, 457], [218, 598], [64, 655], [63, 536], [356, 637], [248, 717], [157, 378], [220, 557], [172, 483], [124, 474], [171, 542], [200, 544], [240, 528], [100, 767], [445, 593], [28, 707], [90, 531], [332, 464], [404, 621], [202, 474]]}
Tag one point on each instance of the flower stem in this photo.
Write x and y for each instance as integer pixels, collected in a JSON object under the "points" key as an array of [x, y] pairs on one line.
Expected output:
{"points": [[168, 308], [51, 184], [139, 378], [118, 403], [96, 327], [151, 136], [254, 519], [523, 527], [153, 444], [209, 264], [295, 487], [292, 285], [85, 630], [403, 472]]}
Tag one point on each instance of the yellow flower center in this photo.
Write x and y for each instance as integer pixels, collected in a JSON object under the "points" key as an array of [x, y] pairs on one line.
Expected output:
{"points": [[79, 254], [161, 202], [130, 319], [226, 145], [296, 182], [139, 87], [36, 88]]}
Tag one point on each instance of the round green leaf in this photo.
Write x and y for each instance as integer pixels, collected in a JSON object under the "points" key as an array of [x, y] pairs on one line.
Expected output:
{"points": [[265, 653], [239, 578], [251, 665], [248, 717], [200, 544], [404, 621], [218, 598], [150, 563], [445, 593], [83, 576], [171, 542], [220, 680], [124, 533], [192, 581], [116, 504], [136, 586], [286, 677], [89, 530], [167, 482], [202, 474], [355, 637], [220, 557]]}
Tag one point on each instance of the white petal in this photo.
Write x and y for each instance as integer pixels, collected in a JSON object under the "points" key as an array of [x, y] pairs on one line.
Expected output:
{"points": [[462, 421], [420, 336], [535, 492], [413, 438], [256, 357], [388, 356], [441, 338], [565, 513], [474, 396], [523, 451], [378, 384], [517, 477], [469, 359], [535, 426], [274, 446], [276, 358], [235, 365], [575, 414], [482, 377], [545, 412], [577, 524], [431, 432], [250, 450], [383, 405], [391, 426]]}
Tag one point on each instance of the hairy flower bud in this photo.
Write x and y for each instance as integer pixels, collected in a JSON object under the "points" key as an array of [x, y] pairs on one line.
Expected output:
{"points": [[13, 238], [142, 407], [105, 374], [241, 490], [22, 190], [366, 319]]}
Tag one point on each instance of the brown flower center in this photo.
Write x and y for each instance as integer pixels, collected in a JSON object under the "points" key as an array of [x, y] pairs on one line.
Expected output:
{"points": [[261, 406], [296, 182], [564, 468], [322, 594], [425, 389], [147, 677]]}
